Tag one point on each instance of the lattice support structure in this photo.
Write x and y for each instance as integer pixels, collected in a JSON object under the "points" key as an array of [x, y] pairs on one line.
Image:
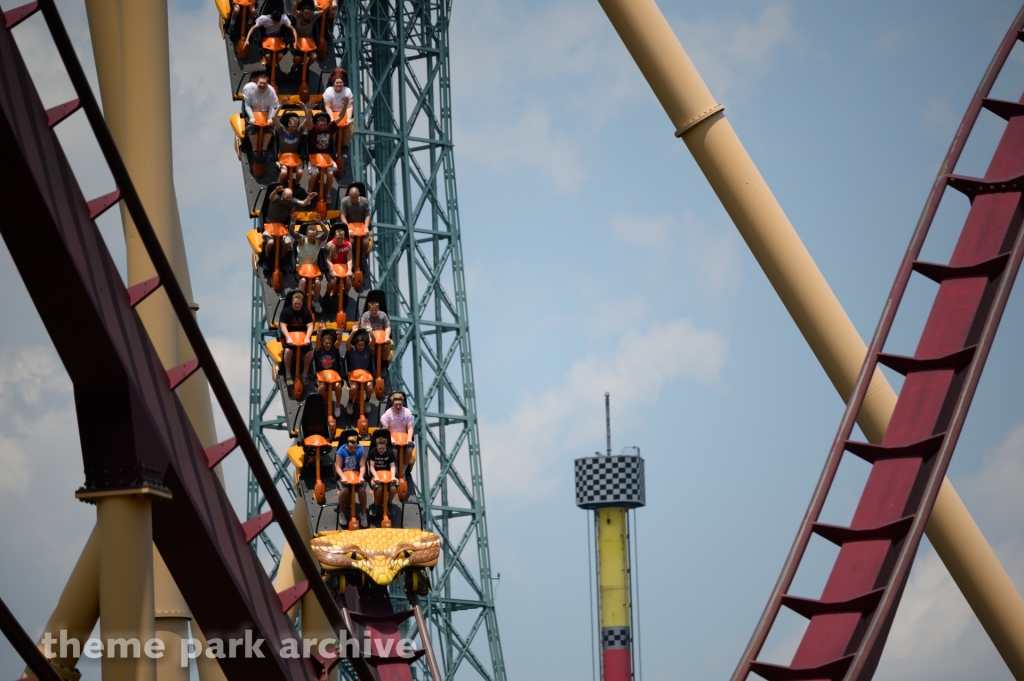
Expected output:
{"points": [[402, 150], [397, 54]]}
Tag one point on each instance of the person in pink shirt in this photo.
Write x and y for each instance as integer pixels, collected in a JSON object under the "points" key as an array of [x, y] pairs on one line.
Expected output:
{"points": [[398, 418]]}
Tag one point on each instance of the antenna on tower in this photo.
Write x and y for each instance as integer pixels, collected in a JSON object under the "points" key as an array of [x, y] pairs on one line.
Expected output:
{"points": [[608, 424]]}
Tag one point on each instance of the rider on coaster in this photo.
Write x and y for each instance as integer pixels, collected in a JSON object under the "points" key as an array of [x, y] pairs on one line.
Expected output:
{"points": [[307, 252], [382, 458], [329, 358], [358, 355], [321, 141], [258, 96], [339, 252], [351, 457], [289, 132], [295, 318], [399, 418]]}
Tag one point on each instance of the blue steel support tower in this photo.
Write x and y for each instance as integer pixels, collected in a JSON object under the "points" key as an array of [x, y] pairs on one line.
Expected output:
{"points": [[397, 54]]}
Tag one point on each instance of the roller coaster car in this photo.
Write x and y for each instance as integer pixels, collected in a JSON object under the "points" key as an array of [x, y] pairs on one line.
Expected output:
{"points": [[322, 162], [307, 274], [329, 378], [316, 435], [321, 50], [401, 441], [385, 479], [305, 46], [298, 339], [359, 380], [276, 230], [356, 231], [341, 273], [260, 120], [242, 49], [274, 45]]}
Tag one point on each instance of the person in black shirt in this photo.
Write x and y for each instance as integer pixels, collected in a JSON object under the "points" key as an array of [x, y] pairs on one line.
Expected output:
{"points": [[327, 358], [381, 458], [358, 355], [295, 318]]}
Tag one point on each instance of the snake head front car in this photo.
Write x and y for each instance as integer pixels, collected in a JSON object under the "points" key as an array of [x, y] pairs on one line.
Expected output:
{"points": [[379, 552]]}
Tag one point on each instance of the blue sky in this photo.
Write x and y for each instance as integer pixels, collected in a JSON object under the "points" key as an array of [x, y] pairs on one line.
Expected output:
{"points": [[599, 259]]}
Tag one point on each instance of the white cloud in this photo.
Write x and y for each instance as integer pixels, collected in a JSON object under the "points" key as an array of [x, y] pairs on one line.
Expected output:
{"points": [[732, 52], [36, 414], [709, 251], [567, 414], [938, 119], [531, 84], [534, 87], [206, 169]]}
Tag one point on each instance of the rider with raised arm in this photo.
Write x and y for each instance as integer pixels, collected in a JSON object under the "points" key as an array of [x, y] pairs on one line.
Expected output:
{"points": [[272, 26], [307, 252], [288, 132], [258, 96], [321, 141], [282, 203], [295, 318]]}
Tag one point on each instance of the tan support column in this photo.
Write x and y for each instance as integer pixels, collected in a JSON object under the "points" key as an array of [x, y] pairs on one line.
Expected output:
{"points": [[289, 573], [133, 67], [699, 120], [126, 584], [77, 611], [172, 619]]}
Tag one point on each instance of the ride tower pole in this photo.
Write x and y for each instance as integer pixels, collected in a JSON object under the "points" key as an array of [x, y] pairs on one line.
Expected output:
{"points": [[396, 54], [611, 486]]}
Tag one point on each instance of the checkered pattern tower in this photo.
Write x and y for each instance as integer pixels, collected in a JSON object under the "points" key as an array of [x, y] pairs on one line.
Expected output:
{"points": [[611, 486]]}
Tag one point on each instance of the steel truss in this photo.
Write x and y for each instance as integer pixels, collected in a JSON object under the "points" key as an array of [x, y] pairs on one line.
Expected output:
{"points": [[402, 149]]}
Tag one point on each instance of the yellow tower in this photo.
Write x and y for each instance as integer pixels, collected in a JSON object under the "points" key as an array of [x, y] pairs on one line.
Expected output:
{"points": [[611, 486]]}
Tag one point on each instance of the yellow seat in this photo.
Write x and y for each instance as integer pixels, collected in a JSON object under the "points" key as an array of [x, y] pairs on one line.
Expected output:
{"points": [[238, 125], [276, 350], [295, 454], [350, 326], [255, 241], [223, 8]]}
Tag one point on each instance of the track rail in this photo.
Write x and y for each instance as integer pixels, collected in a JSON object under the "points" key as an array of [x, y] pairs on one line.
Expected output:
{"points": [[197, 531], [850, 622]]}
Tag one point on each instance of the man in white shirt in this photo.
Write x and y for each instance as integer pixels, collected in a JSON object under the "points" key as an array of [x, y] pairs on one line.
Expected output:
{"points": [[273, 26], [259, 96]]}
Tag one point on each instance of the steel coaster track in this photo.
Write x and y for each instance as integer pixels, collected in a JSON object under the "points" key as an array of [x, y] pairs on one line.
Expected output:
{"points": [[850, 622], [204, 544]]}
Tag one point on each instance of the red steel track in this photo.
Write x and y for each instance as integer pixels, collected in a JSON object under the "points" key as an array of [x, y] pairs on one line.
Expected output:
{"points": [[851, 619]]}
